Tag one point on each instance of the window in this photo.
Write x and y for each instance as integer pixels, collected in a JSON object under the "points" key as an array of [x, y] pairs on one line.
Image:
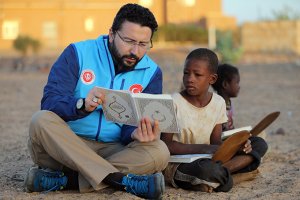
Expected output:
{"points": [[50, 33], [10, 30], [189, 3], [50, 30], [146, 3], [89, 24]]}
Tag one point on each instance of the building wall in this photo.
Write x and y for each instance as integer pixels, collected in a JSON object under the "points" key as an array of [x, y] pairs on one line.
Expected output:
{"points": [[57, 23], [273, 36], [178, 12]]}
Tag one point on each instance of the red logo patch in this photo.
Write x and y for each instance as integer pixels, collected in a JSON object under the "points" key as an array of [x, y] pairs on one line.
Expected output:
{"points": [[136, 88], [87, 76]]}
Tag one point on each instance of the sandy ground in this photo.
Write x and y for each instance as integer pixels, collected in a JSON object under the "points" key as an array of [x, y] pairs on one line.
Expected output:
{"points": [[265, 87]]}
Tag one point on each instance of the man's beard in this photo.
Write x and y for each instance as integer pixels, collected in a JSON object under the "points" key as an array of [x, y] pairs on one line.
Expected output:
{"points": [[120, 61]]}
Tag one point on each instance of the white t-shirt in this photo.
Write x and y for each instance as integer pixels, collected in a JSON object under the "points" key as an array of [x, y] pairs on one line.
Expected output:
{"points": [[196, 123]]}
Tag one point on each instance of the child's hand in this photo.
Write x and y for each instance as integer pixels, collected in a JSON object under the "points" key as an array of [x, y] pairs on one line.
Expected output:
{"points": [[247, 148]]}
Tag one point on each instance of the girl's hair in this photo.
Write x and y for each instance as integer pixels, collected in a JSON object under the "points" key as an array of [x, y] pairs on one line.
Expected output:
{"points": [[134, 13], [226, 73], [204, 54]]}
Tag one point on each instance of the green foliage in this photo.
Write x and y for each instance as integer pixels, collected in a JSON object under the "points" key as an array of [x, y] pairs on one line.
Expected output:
{"points": [[181, 33], [228, 49], [24, 43], [286, 13]]}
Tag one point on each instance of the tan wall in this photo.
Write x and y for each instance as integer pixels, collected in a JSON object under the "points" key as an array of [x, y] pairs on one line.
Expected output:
{"points": [[221, 22], [179, 13], [70, 15], [275, 36], [209, 13]]}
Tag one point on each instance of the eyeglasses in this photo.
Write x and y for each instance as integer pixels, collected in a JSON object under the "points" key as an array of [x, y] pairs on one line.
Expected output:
{"points": [[131, 43]]}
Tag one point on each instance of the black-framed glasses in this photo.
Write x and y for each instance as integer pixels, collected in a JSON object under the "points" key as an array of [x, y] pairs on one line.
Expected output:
{"points": [[131, 43]]}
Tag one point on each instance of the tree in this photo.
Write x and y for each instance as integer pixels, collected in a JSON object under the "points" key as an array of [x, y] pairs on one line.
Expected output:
{"points": [[228, 51], [285, 13], [24, 43]]}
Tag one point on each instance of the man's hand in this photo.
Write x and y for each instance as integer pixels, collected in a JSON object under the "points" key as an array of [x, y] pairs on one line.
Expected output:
{"points": [[146, 132], [247, 148], [94, 98]]}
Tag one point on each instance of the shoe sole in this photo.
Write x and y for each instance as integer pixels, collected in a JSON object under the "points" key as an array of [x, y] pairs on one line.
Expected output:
{"points": [[29, 179], [230, 146], [159, 182]]}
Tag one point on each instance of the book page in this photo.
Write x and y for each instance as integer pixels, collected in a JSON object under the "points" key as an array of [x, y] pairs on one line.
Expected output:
{"points": [[119, 108], [160, 108], [187, 158], [128, 108], [228, 133]]}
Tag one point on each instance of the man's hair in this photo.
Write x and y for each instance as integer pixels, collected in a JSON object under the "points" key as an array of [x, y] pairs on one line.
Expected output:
{"points": [[226, 72], [206, 55], [136, 14]]}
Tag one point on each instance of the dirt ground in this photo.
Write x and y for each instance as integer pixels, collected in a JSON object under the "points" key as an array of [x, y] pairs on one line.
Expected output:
{"points": [[266, 86]]}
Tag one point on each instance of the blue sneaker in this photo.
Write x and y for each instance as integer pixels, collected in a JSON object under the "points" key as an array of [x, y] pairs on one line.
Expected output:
{"points": [[38, 180], [146, 186]]}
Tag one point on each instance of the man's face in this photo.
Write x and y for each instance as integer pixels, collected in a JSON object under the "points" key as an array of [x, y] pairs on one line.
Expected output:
{"points": [[129, 44]]}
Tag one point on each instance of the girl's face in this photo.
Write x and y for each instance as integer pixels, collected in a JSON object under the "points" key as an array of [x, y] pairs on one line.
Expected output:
{"points": [[197, 77], [232, 88]]}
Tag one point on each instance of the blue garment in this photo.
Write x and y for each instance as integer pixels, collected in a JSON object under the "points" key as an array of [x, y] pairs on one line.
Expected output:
{"points": [[67, 83]]}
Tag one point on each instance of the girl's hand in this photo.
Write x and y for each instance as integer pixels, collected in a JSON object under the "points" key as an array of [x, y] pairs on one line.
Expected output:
{"points": [[247, 148]]}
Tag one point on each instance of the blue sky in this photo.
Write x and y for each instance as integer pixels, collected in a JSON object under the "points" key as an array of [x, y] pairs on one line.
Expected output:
{"points": [[253, 10]]}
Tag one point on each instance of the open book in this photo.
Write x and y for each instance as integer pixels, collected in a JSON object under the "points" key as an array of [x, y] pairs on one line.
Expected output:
{"points": [[187, 158], [124, 107], [226, 134]]}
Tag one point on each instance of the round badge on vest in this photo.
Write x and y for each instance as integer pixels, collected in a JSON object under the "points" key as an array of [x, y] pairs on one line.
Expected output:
{"points": [[87, 76]]}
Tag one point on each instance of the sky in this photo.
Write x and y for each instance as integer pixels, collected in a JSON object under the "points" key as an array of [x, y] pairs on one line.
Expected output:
{"points": [[253, 10]]}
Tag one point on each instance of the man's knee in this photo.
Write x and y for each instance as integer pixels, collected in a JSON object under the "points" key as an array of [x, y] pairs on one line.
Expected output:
{"points": [[39, 120], [163, 156], [165, 153]]}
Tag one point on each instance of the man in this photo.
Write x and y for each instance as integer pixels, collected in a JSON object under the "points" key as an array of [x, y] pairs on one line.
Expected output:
{"points": [[71, 141]]}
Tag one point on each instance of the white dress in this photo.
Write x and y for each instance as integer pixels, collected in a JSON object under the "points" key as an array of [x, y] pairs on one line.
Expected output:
{"points": [[196, 123]]}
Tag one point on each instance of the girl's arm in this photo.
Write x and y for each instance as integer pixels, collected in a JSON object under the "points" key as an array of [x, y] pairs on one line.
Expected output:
{"points": [[181, 148], [215, 137]]}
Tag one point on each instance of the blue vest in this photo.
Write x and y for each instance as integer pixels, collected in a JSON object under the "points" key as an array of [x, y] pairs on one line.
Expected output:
{"points": [[96, 68]]}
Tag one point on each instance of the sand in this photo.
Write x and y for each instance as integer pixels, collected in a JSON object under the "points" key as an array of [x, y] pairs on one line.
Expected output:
{"points": [[267, 85]]}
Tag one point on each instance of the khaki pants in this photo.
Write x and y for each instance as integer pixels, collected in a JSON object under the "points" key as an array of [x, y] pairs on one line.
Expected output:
{"points": [[54, 145]]}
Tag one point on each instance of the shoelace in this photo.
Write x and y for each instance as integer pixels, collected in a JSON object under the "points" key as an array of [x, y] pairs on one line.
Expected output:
{"points": [[136, 184], [55, 181]]}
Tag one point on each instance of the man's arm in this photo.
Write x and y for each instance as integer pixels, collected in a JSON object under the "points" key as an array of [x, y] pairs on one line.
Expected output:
{"points": [[58, 94], [154, 87]]}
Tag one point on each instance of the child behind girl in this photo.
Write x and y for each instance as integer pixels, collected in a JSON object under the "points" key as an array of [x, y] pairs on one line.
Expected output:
{"points": [[227, 86], [201, 114]]}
